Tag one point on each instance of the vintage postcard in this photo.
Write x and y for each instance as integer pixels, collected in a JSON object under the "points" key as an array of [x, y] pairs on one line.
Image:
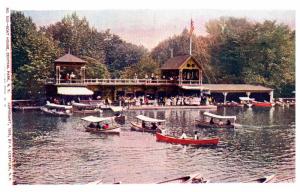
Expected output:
{"points": [[192, 96]]}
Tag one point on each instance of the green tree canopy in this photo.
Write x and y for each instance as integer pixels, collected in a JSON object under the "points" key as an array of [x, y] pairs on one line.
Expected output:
{"points": [[146, 66], [40, 52]]}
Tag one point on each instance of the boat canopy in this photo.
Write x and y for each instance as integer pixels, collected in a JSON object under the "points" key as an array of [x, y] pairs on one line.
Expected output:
{"points": [[52, 105], [80, 104], [193, 87], [218, 116], [246, 99], [74, 91], [116, 108], [94, 119], [149, 119]]}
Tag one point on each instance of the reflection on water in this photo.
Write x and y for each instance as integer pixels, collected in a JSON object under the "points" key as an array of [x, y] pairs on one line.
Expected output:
{"points": [[54, 150]]}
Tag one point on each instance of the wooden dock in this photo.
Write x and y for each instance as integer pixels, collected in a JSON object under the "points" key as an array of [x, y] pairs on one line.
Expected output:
{"points": [[151, 107]]}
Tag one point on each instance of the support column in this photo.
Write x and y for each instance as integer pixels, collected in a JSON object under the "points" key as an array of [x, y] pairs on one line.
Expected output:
{"points": [[57, 74], [271, 96], [180, 76], [200, 76], [225, 95], [248, 94], [82, 71]]}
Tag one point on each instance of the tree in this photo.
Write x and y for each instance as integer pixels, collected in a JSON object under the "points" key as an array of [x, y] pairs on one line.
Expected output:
{"points": [[40, 52], [95, 69], [146, 66], [120, 54], [22, 28]]}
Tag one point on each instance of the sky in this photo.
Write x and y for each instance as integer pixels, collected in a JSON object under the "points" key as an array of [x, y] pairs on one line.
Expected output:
{"points": [[148, 27]]}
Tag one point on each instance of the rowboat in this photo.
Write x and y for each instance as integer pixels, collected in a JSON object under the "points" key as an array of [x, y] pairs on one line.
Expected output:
{"points": [[206, 123], [193, 178], [57, 110], [100, 181], [232, 104], [263, 104], [187, 141], [265, 179], [112, 128], [143, 127], [86, 108]]}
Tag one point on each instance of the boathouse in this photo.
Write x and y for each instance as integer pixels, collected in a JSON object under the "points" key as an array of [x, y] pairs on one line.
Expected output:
{"points": [[180, 75]]}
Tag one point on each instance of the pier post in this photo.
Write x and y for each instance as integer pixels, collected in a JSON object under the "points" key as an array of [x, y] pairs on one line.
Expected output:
{"points": [[225, 95], [271, 96]]}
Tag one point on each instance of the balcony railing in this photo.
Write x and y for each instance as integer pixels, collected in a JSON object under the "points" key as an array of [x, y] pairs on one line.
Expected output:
{"points": [[122, 82]]}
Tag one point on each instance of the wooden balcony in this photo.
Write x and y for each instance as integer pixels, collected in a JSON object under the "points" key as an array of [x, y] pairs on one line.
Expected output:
{"points": [[148, 82]]}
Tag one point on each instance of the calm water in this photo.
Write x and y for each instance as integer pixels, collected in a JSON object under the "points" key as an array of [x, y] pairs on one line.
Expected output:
{"points": [[55, 150]]}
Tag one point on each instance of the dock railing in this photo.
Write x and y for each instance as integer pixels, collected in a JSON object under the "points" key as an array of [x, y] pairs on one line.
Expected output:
{"points": [[122, 82]]}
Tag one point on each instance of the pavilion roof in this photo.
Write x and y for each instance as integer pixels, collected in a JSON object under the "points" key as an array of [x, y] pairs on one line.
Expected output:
{"points": [[69, 58]]}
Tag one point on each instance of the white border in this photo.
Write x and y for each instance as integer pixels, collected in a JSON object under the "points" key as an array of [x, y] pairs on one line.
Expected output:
{"points": [[136, 4]]}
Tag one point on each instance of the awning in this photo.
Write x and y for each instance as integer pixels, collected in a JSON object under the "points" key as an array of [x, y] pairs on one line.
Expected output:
{"points": [[149, 119], [96, 119], [116, 109], [218, 116], [193, 87], [74, 91], [246, 99]]}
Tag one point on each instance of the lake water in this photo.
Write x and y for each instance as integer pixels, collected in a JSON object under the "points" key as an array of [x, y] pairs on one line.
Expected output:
{"points": [[55, 150]]}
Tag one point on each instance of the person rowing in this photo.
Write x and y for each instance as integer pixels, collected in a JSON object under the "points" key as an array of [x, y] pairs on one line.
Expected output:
{"points": [[196, 137], [183, 136]]}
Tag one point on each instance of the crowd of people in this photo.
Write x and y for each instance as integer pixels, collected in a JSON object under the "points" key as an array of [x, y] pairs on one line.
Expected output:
{"points": [[165, 101]]}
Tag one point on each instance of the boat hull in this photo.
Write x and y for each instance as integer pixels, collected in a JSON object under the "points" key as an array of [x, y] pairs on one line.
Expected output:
{"points": [[55, 113], [114, 130], [263, 104], [265, 179], [169, 139], [194, 178], [138, 127], [203, 124]]}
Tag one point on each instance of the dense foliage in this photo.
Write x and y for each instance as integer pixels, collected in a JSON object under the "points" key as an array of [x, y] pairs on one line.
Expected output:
{"points": [[234, 50]]}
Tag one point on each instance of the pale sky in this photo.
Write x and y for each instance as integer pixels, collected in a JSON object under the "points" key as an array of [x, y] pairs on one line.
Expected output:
{"points": [[149, 27]]}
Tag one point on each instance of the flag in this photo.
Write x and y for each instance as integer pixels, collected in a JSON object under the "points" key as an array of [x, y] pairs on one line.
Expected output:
{"points": [[192, 27]]}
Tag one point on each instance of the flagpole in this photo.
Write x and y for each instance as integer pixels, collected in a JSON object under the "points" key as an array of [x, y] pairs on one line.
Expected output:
{"points": [[190, 44]]}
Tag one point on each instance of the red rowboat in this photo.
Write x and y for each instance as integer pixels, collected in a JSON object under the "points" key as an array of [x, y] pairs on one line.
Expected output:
{"points": [[263, 104], [188, 141]]}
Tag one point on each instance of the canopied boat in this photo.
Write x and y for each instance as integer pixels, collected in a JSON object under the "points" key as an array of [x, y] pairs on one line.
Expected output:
{"points": [[187, 141], [118, 112], [207, 121], [86, 108], [246, 101], [142, 124], [193, 178], [101, 125], [57, 110], [265, 179]]}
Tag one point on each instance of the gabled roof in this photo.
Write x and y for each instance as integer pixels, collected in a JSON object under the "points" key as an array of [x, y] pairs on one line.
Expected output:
{"points": [[69, 58], [175, 62]]}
